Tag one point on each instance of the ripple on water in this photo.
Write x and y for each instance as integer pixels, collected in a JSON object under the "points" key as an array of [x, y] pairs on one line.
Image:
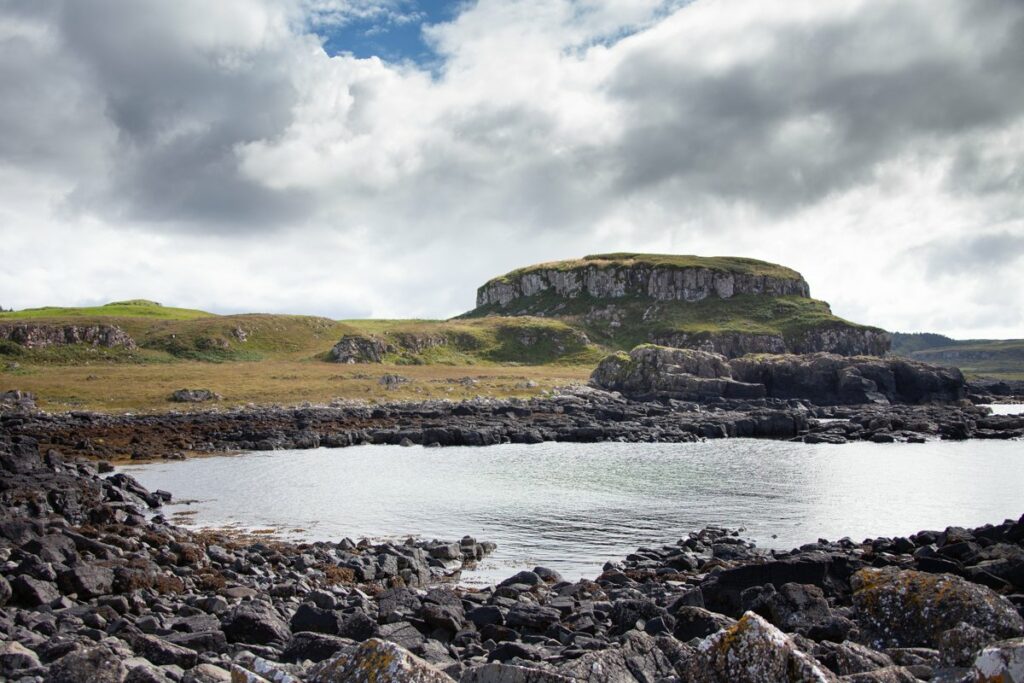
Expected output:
{"points": [[572, 507]]}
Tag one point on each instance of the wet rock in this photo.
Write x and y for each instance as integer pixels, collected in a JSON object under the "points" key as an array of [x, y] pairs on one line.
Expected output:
{"points": [[526, 578], [377, 661], [897, 608], [753, 651]]}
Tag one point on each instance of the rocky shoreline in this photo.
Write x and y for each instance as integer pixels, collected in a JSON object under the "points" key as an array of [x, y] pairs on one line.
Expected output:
{"points": [[96, 586], [574, 414]]}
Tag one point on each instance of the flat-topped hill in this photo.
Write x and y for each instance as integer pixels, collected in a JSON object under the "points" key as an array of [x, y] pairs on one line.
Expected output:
{"points": [[661, 277], [728, 305]]}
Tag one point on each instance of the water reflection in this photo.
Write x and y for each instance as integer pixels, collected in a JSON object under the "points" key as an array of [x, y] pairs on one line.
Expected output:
{"points": [[574, 506]]}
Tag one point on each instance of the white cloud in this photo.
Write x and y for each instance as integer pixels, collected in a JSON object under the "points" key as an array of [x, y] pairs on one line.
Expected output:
{"points": [[211, 154]]}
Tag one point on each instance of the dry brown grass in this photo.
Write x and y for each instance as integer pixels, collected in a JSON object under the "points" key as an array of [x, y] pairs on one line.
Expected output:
{"points": [[121, 388]]}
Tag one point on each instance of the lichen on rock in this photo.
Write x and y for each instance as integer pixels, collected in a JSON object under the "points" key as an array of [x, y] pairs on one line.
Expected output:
{"points": [[906, 608]]}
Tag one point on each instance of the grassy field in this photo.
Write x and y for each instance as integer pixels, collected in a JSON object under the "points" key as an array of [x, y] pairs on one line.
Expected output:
{"points": [[284, 359], [146, 387]]}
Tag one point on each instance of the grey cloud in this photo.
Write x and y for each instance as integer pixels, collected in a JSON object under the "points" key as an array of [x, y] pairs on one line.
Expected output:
{"points": [[980, 256], [175, 114], [716, 134]]}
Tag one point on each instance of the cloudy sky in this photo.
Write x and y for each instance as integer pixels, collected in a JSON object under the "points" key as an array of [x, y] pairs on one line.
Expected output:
{"points": [[356, 158]]}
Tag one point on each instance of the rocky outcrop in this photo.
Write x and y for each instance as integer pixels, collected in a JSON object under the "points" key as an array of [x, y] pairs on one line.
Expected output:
{"points": [[609, 280], [656, 372], [844, 341], [652, 372], [358, 348], [38, 336], [728, 344], [194, 396], [830, 379]]}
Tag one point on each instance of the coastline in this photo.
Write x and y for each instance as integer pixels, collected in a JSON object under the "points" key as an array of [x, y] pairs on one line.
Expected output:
{"points": [[97, 589], [574, 414]]}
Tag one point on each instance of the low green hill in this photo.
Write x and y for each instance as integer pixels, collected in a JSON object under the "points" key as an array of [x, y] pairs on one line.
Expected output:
{"points": [[133, 308], [996, 358]]}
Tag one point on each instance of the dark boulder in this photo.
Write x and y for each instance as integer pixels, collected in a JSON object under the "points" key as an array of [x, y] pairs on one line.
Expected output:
{"points": [[254, 623], [87, 581]]}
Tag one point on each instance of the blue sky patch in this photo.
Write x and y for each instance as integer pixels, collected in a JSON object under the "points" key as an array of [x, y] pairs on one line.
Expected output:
{"points": [[391, 31]]}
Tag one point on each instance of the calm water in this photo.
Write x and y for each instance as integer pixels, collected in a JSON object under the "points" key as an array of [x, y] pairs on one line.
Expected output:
{"points": [[571, 507], [1007, 408]]}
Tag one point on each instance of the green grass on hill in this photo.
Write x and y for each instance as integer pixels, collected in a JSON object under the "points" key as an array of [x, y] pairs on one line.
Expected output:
{"points": [[728, 264], [519, 340], [134, 308], [165, 335], [625, 322]]}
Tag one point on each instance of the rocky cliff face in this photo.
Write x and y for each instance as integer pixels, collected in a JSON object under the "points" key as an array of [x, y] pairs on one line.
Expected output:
{"points": [[844, 341], [660, 283], [651, 372], [36, 336], [726, 305]]}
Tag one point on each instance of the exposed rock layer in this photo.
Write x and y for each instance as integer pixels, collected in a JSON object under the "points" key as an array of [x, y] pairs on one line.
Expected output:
{"points": [[37, 336], [659, 283], [650, 371]]}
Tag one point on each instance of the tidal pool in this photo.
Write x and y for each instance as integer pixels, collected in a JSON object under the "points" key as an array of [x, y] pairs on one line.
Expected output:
{"points": [[571, 507]]}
